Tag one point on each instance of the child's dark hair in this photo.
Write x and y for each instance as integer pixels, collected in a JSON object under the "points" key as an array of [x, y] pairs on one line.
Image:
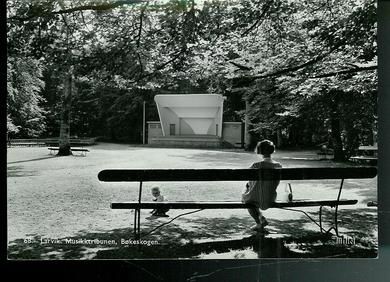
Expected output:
{"points": [[265, 147], [155, 188]]}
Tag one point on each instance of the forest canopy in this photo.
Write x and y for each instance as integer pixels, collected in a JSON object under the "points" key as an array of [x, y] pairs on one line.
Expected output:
{"points": [[304, 72]]}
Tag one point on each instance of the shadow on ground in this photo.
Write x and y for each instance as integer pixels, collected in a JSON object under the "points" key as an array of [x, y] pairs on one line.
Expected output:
{"points": [[33, 160], [205, 237], [19, 171]]}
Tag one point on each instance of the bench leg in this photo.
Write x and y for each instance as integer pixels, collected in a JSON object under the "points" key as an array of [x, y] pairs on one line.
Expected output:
{"points": [[320, 218], [335, 223], [323, 229], [136, 224], [319, 224], [308, 216], [335, 220], [137, 216], [139, 225], [336, 229], [337, 209]]}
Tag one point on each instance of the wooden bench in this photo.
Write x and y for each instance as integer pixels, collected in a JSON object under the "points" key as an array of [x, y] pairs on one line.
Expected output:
{"points": [[324, 153], [145, 175], [364, 159], [366, 155], [26, 144], [368, 151], [82, 150], [56, 143]]}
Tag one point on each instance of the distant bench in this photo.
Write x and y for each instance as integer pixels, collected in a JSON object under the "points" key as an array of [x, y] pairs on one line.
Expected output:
{"points": [[367, 154], [144, 175], [82, 150], [364, 159], [25, 144], [324, 153], [72, 142], [49, 142]]}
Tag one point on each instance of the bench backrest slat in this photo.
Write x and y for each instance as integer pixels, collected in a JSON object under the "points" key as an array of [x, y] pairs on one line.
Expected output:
{"points": [[130, 175]]}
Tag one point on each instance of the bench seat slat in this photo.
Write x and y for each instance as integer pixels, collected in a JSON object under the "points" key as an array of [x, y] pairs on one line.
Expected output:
{"points": [[226, 205], [128, 175], [79, 150], [72, 149]]}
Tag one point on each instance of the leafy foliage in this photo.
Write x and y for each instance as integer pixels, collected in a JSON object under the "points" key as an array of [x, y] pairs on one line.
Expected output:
{"points": [[24, 84], [308, 68]]}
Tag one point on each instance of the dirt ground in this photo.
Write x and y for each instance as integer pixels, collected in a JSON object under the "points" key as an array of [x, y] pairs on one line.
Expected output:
{"points": [[56, 204]]}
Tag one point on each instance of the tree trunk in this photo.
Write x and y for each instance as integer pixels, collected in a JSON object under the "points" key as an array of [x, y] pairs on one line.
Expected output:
{"points": [[279, 138], [336, 132], [337, 142], [247, 136], [64, 142]]}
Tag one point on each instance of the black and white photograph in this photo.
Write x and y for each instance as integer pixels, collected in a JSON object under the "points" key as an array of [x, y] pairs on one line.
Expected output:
{"points": [[192, 129]]}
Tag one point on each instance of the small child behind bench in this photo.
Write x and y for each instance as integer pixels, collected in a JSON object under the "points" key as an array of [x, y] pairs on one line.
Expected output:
{"points": [[157, 197]]}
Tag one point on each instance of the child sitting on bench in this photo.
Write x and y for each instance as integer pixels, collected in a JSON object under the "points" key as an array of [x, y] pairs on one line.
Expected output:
{"points": [[157, 197], [261, 193]]}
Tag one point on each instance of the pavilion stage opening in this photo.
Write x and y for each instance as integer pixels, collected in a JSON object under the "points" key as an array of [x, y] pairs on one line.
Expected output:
{"points": [[192, 120]]}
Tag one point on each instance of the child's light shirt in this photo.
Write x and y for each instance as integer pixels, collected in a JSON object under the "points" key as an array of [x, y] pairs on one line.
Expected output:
{"points": [[262, 193], [159, 198]]}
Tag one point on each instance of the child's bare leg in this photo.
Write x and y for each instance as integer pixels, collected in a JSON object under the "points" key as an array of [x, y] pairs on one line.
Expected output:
{"points": [[256, 214]]}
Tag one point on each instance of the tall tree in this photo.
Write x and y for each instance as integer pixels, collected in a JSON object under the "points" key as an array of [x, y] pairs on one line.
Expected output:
{"points": [[25, 114], [289, 60]]}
